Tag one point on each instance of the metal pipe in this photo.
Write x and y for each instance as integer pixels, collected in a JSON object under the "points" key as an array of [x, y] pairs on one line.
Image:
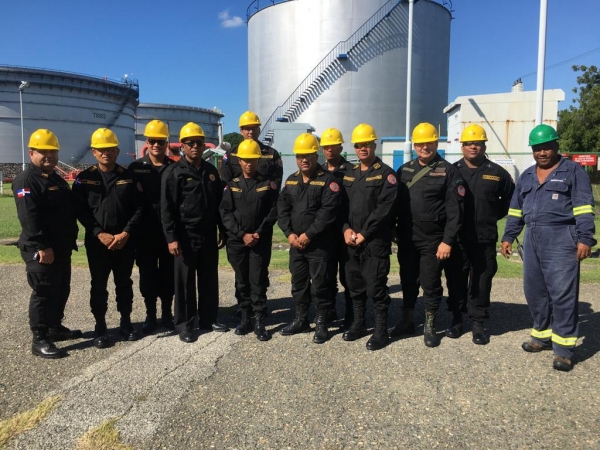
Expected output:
{"points": [[539, 110], [407, 143]]}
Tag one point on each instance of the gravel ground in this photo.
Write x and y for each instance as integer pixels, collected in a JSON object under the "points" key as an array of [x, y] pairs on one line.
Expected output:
{"points": [[231, 392]]}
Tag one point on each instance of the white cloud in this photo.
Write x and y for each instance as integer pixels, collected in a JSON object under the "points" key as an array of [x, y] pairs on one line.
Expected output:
{"points": [[228, 21]]}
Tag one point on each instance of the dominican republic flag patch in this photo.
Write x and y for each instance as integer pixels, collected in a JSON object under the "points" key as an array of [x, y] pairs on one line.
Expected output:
{"points": [[23, 192]]}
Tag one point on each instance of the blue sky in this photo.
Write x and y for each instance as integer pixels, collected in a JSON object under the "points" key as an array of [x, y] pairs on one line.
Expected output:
{"points": [[194, 52]]}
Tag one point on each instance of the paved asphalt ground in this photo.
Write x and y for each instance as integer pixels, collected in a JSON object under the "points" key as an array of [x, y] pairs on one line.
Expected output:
{"points": [[230, 392]]}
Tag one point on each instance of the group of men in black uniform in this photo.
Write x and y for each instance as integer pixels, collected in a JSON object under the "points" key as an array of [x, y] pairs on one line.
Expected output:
{"points": [[173, 216]]}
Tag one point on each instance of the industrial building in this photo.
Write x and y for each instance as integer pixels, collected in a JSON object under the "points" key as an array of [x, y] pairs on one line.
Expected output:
{"points": [[73, 106], [338, 63]]}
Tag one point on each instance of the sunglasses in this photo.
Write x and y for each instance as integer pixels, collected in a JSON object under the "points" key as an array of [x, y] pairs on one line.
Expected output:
{"points": [[157, 141], [252, 128], [191, 144], [364, 145], [475, 143], [308, 156]]}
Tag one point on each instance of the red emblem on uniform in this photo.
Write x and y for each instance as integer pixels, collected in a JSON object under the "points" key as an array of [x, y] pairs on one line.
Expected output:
{"points": [[334, 187], [391, 179], [461, 190], [273, 185], [139, 187]]}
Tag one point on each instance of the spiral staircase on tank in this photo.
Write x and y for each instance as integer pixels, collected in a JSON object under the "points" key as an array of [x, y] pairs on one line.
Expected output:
{"points": [[374, 37]]}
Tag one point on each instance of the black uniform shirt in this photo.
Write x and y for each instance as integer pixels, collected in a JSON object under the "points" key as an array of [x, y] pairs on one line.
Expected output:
{"points": [[190, 199], [489, 190], [112, 207], [45, 210], [147, 177], [340, 170], [432, 208], [249, 205], [371, 200], [311, 207], [269, 165]]}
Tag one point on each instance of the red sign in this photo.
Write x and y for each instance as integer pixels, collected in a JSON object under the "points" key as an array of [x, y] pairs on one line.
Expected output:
{"points": [[586, 160]]}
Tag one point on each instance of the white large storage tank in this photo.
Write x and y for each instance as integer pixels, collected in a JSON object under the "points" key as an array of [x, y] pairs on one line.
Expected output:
{"points": [[71, 105], [337, 63], [176, 117]]}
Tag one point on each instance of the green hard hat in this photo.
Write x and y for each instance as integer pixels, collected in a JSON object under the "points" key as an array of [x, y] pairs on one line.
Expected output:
{"points": [[541, 134]]}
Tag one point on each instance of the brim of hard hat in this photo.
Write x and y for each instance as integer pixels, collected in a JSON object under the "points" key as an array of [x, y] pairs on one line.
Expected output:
{"points": [[531, 144], [424, 141], [187, 138], [474, 140], [156, 136], [329, 144], [242, 156], [44, 147], [304, 152], [105, 146]]}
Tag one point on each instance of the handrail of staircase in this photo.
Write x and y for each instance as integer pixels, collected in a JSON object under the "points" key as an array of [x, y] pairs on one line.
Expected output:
{"points": [[341, 47]]}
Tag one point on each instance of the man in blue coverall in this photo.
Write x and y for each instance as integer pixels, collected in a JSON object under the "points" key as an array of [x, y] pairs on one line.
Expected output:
{"points": [[554, 199]]}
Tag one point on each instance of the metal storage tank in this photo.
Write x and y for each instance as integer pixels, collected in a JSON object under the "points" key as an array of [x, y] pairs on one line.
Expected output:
{"points": [[73, 106], [338, 63], [176, 117]]}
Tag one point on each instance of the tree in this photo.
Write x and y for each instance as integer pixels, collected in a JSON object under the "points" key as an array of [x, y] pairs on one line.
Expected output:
{"points": [[579, 126], [233, 138]]}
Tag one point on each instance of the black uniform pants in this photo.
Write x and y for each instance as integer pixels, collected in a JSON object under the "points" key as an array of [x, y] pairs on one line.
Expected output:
{"points": [[419, 266], [469, 274], [367, 269], [156, 273], [339, 253], [197, 283], [313, 270], [102, 262], [51, 286], [251, 267]]}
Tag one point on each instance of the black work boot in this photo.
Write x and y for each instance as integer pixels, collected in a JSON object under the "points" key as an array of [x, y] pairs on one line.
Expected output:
{"points": [[62, 333], [358, 328], [479, 336], [298, 325], [429, 335], [406, 326], [455, 329], [127, 330], [259, 327], [42, 346], [380, 336], [349, 313], [245, 325], [321, 332], [101, 335], [150, 324]]}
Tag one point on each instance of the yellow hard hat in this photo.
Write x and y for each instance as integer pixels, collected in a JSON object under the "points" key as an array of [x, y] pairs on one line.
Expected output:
{"points": [[248, 149], [43, 139], [473, 133], [249, 119], [104, 138], [331, 136], [363, 133], [424, 132], [305, 144], [156, 129], [189, 130]]}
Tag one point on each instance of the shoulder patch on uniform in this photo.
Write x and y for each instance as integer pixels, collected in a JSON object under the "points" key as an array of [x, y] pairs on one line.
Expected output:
{"points": [[25, 192], [225, 157], [491, 177], [334, 186], [212, 177], [376, 177], [376, 166], [317, 183], [236, 179], [391, 179], [461, 190]]}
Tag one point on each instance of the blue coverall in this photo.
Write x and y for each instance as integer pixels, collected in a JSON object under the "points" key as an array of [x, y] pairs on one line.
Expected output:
{"points": [[559, 213]]}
